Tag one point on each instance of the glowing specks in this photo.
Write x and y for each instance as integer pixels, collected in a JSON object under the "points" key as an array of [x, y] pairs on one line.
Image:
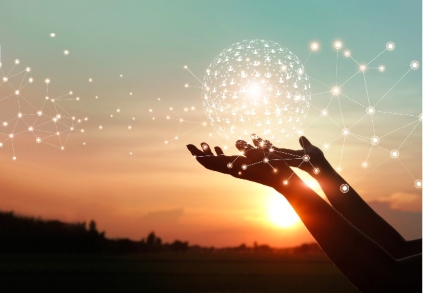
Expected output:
{"points": [[47, 80], [336, 90], [414, 65], [285, 182], [374, 140], [344, 188], [324, 113], [326, 146], [364, 164], [316, 171], [370, 110], [345, 131], [390, 46], [229, 165], [394, 154], [306, 158], [418, 183], [314, 46], [52, 35], [421, 117], [381, 68], [66, 52], [363, 67], [244, 167], [347, 53], [337, 45]]}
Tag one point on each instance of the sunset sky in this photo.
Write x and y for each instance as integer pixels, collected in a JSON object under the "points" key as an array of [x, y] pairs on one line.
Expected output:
{"points": [[120, 172]]}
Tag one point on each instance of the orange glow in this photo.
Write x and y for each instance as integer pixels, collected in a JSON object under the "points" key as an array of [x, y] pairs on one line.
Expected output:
{"points": [[280, 212]]}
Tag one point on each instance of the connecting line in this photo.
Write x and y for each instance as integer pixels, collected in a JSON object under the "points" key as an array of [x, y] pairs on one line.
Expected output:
{"points": [[307, 59], [418, 123], [342, 115], [320, 93], [353, 100], [398, 129], [396, 113], [336, 67], [393, 87], [342, 152], [194, 75], [406, 169], [365, 85], [359, 121], [368, 155], [376, 57], [354, 60], [349, 78], [319, 82], [312, 123], [370, 170]]}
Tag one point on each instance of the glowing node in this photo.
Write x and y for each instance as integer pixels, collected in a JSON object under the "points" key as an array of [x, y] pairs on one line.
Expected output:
{"points": [[205, 147], [14, 158], [418, 183], [285, 182], [38, 139], [100, 127], [129, 127], [316, 170], [414, 65], [31, 80], [338, 169], [130, 94], [347, 53], [381, 68], [96, 97], [17, 61], [229, 165], [62, 148], [363, 67], [265, 160], [268, 88], [244, 167], [314, 46], [335, 90], [66, 52], [5, 79], [47, 80], [370, 110], [90, 80], [1, 144], [394, 154], [337, 45], [5, 123], [186, 85], [326, 146], [364, 164], [166, 142], [306, 158], [420, 117], [150, 110], [345, 131], [28, 69], [52, 35], [374, 140], [17, 93], [344, 188], [390, 46], [19, 115], [11, 135], [82, 130], [118, 110], [324, 112], [185, 67]]}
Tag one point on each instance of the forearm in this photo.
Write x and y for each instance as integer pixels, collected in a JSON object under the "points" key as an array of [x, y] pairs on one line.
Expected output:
{"points": [[360, 214], [357, 256]]}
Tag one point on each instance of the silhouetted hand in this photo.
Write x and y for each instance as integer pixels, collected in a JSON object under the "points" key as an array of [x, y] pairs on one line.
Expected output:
{"points": [[258, 164]]}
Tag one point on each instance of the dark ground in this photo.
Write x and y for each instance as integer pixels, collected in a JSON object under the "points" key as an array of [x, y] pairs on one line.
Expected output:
{"points": [[171, 272]]}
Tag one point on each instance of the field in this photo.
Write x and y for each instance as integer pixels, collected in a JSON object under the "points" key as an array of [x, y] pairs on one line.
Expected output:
{"points": [[171, 272]]}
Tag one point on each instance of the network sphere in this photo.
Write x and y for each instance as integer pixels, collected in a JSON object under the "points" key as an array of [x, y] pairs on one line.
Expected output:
{"points": [[256, 86]]}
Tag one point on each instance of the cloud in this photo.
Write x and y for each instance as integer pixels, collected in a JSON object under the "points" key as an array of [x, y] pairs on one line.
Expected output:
{"points": [[402, 201]]}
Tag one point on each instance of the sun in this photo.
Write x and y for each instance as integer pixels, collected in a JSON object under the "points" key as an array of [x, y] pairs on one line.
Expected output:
{"points": [[280, 212]]}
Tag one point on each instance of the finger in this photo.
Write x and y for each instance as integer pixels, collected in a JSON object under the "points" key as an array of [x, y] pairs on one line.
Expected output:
{"points": [[194, 150], [206, 149], [258, 142], [218, 151], [243, 146], [304, 142]]}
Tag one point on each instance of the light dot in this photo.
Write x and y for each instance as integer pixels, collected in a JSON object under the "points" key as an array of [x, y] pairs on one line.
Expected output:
{"points": [[337, 45], [52, 35], [316, 170], [421, 117], [130, 153], [370, 110], [19, 115], [1, 144], [338, 169], [364, 164], [229, 165], [39, 113], [345, 131], [28, 69], [11, 135], [374, 140], [347, 53], [14, 158], [38, 139], [100, 127], [5, 123], [381, 68], [62, 148], [47, 80], [244, 167], [285, 182], [31, 80], [326, 146], [205, 147], [266, 160], [118, 110], [129, 127], [394, 154], [414, 65], [314, 46], [344, 188], [31, 129], [324, 112], [66, 52], [336, 90], [306, 158], [390, 46], [418, 183], [5, 79], [121, 75], [17, 61], [17, 92], [363, 67]]}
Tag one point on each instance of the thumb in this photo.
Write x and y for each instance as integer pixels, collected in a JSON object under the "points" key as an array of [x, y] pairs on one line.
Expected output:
{"points": [[304, 142]]}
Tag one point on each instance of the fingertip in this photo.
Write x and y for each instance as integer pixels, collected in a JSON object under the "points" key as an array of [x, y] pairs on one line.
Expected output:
{"points": [[218, 150]]}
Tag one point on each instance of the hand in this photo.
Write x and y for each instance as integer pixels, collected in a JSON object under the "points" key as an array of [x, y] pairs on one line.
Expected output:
{"points": [[309, 159], [257, 164]]}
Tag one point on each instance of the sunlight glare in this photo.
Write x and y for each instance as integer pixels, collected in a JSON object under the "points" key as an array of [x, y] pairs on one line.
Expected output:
{"points": [[280, 212]]}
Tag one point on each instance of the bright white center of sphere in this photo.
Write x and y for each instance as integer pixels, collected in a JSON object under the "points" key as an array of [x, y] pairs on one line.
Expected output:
{"points": [[256, 86]]}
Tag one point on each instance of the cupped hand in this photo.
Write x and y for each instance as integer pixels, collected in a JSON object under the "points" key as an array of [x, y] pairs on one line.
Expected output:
{"points": [[257, 164]]}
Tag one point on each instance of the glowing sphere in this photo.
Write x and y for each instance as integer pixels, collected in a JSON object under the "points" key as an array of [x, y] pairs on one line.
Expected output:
{"points": [[256, 86]]}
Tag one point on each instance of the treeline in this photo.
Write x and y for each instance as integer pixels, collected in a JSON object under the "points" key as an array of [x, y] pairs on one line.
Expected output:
{"points": [[30, 235]]}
